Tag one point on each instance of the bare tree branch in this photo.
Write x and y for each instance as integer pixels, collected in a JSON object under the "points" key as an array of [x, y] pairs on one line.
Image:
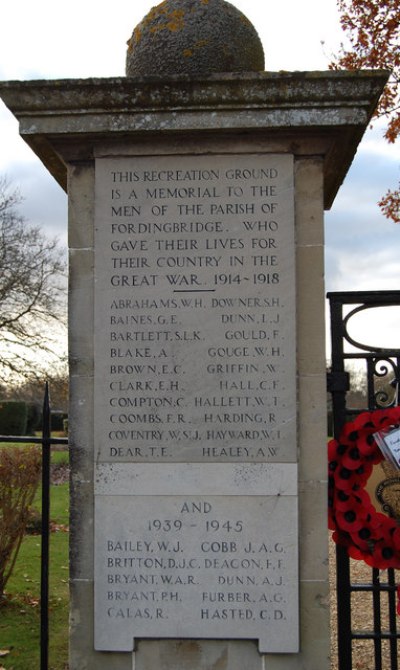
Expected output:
{"points": [[32, 291]]}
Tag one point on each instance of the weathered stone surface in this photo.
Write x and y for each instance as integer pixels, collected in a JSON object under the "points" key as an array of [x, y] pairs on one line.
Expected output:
{"points": [[168, 273], [194, 37], [69, 118], [193, 582]]}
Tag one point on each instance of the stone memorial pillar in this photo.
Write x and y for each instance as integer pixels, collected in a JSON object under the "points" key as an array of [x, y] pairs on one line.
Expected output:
{"points": [[197, 348]]}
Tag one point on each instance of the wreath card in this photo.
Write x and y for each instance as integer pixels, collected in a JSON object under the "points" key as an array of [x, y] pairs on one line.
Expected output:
{"points": [[388, 441]]}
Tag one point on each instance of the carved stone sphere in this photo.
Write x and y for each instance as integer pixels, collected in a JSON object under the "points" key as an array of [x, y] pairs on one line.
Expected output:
{"points": [[194, 37]]}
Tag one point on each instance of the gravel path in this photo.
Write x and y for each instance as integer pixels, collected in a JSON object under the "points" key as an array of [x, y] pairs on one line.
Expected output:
{"points": [[363, 650]]}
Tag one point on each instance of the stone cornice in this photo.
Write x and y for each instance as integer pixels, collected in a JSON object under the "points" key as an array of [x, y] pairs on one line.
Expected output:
{"points": [[338, 104]]}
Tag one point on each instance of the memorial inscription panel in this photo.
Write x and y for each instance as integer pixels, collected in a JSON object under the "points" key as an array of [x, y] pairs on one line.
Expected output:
{"points": [[208, 567], [195, 400], [195, 309]]}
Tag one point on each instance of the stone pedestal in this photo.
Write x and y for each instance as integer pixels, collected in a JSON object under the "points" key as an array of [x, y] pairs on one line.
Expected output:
{"points": [[197, 350]]}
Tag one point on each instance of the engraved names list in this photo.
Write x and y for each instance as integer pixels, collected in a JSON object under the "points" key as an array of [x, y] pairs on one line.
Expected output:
{"points": [[195, 400], [194, 309], [211, 567]]}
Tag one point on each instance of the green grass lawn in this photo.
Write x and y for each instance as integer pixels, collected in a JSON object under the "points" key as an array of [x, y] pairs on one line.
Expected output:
{"points": [[20, 613]]}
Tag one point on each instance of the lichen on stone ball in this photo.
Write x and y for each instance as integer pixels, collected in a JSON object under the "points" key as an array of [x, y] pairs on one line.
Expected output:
{"points": [[194, 37]]}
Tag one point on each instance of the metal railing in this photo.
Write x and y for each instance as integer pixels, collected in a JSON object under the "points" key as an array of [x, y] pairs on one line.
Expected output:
{"points": [[46, 441]]}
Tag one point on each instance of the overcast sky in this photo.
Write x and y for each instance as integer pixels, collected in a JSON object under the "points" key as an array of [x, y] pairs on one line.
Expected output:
{"points": [[48, 40]]}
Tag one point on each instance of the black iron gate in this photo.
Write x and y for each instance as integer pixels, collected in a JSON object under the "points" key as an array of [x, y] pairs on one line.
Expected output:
{"points": [[379, 603]]}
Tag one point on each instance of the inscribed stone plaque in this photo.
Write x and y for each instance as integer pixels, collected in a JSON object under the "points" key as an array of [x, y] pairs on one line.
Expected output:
{"points": [[195, 309], [195, 400], [196, 567]]}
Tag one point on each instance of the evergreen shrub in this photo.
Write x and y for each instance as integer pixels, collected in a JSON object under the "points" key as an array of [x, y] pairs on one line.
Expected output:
{"points": [[13, 417]]}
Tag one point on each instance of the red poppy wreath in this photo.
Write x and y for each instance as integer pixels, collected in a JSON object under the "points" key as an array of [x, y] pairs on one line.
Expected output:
{"points": [[368, 535]]}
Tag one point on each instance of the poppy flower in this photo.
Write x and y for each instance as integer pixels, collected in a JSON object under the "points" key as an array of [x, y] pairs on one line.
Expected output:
{"points": [[352, 516], [383, 556], [336, 450], [352, 458], [345, 479], [363, 539], [341, 499], [367, 445]]}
